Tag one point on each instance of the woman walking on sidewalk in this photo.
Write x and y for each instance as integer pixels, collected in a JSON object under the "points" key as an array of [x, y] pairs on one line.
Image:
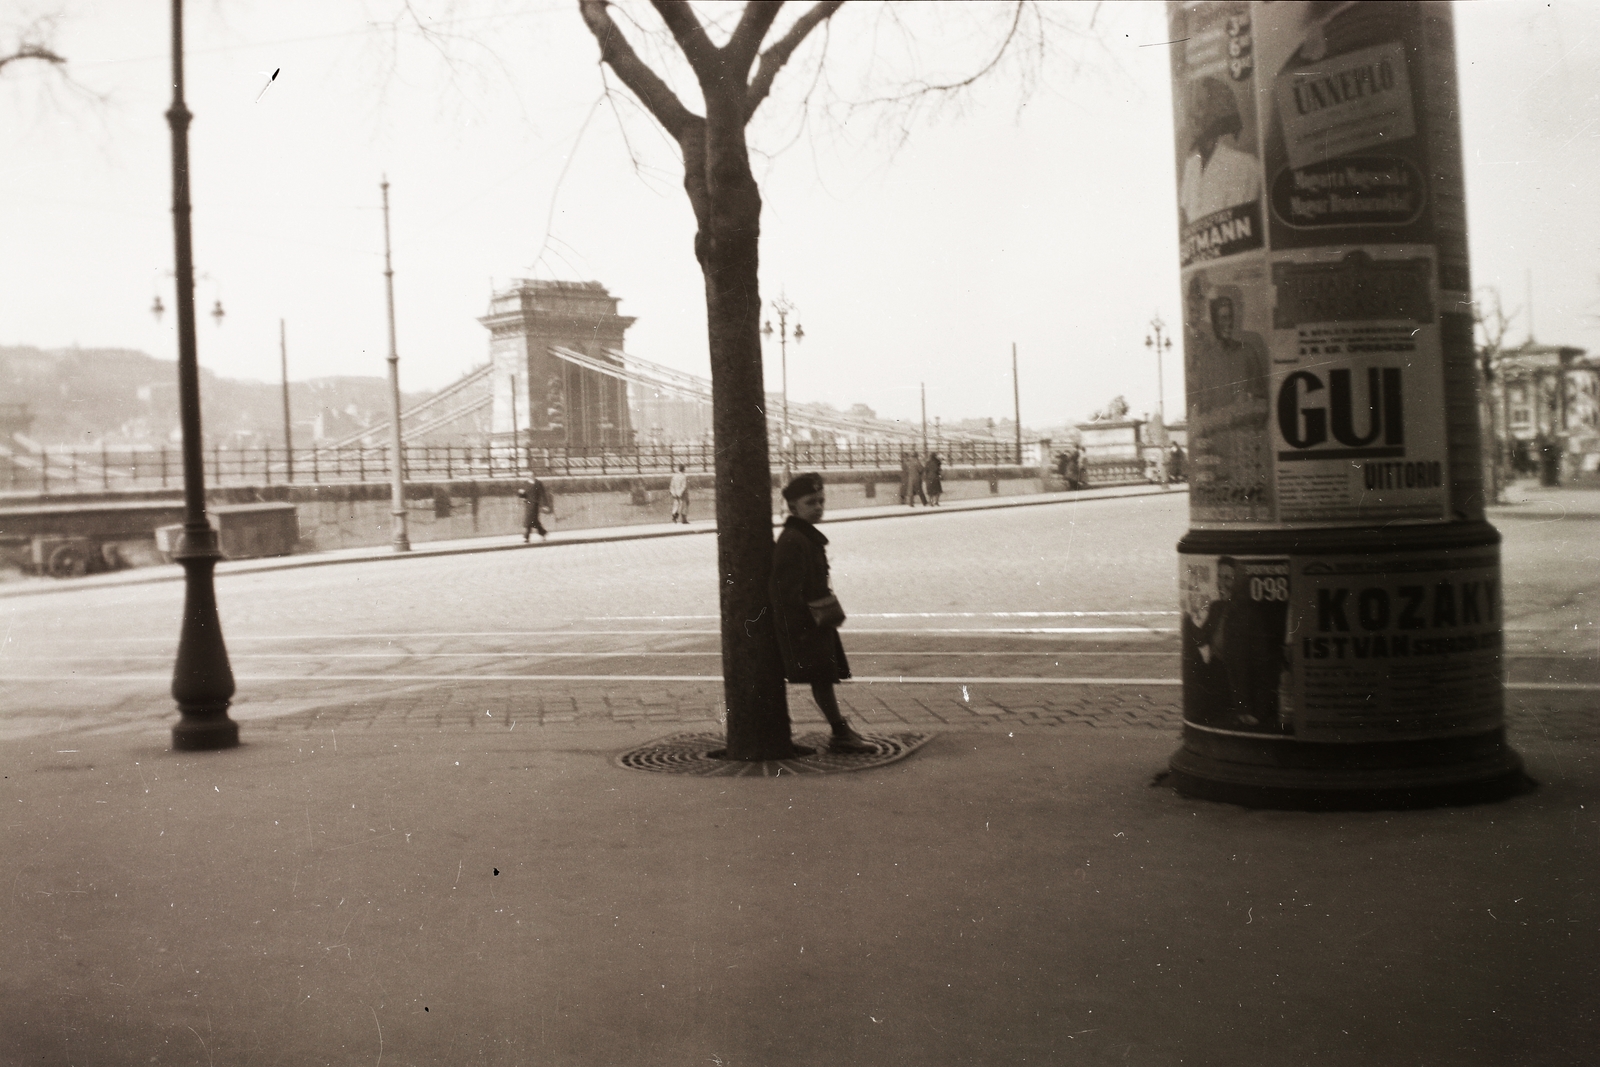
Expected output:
{"points": [[806, 611]]}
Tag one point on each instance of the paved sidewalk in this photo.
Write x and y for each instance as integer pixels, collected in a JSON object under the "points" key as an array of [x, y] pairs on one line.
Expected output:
{"points": [[450, 873], [558, 537], [422, 881]]}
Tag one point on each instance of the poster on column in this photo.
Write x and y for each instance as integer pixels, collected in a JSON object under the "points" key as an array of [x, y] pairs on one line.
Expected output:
{"points": [[1233, 638], [1359, 429], [1345, 145], [1228, 383], [1390, 647], [1218, 150]]}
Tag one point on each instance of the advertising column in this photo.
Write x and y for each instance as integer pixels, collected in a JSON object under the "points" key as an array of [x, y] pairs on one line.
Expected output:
{"points": [[1341, 628]]}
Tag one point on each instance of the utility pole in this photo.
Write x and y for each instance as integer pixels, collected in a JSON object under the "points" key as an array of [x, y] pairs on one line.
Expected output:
{"points": [[288, 433], [924, 387], [515, 469], [202, 678], [1016, 401], [397, 505]]}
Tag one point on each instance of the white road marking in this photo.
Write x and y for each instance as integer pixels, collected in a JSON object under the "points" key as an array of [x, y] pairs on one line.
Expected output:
{"points": [[914, 615]]}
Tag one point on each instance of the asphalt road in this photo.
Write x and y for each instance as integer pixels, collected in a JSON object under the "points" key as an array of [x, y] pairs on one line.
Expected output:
{"points": [[1063, 599]]}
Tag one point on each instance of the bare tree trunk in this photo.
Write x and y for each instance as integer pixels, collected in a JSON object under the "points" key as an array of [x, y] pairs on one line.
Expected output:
{"points": [[727, 207]]}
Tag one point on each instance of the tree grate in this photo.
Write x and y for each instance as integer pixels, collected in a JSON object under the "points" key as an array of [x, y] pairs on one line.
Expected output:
{"points": [[692, 754]]}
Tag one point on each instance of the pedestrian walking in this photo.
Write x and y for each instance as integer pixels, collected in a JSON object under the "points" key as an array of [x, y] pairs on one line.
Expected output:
{"points": [[536, 499], [914, 481], [679, 489], [806, 613], [1071, 467], [905, 476], [933, 477]]}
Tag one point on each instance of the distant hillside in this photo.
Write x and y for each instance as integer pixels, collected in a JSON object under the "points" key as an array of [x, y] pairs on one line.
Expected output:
{"points": [[84, 395]]}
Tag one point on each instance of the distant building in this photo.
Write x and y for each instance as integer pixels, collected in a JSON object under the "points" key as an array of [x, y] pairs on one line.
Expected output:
{"points": [[558, 402], [1547, 397]]}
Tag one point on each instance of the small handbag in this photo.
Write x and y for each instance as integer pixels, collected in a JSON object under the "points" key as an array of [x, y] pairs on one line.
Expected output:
{"points": [[827, 611]]}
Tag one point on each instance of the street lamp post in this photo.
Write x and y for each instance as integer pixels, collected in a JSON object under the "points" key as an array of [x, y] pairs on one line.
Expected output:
{"points": [[288, 432], [397, 506], [202, 679], [784, 308], [1160, 344], [924, 388]]}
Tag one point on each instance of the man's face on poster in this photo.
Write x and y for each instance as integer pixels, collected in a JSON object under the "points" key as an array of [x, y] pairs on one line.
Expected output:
{"points": [[1222, 318], [1225, 580]]}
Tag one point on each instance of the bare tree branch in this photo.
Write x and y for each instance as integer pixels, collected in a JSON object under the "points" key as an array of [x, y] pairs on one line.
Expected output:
{"points": [[32, 51], [946, 88], [773, 59], [644, 83], [752, 29], [705, 57]]}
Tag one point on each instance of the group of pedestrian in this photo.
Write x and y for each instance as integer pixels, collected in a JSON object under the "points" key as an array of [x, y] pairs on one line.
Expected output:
{"points": [[919, 479]]}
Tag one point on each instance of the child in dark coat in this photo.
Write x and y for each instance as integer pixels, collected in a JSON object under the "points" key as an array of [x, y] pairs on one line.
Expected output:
{"points": [[805, 610]]}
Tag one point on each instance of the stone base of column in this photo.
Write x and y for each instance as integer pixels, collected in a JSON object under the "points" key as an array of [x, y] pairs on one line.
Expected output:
{"points": [[1310, 776]]}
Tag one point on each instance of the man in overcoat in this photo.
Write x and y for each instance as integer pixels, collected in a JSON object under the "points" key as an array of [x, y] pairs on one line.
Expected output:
{"points": [[536, 498]]}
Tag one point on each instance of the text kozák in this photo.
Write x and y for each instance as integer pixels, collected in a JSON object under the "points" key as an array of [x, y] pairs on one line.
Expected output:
{"points": [[1319, 421], [1380, 622]]}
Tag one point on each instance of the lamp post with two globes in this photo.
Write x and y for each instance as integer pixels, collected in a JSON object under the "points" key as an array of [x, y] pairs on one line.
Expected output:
{"points": [[784, 309], [202, 679], [1161, 344]]}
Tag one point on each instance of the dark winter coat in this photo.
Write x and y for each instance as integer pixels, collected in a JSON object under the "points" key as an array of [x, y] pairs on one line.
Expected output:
{"points": [[811, 653], [535, 498]]}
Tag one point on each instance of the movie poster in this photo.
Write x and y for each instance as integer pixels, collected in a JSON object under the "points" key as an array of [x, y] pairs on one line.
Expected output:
{"points": [[1227, 377], [1218, 149], [1234, 640], [1359, 429], [1386, 647]]}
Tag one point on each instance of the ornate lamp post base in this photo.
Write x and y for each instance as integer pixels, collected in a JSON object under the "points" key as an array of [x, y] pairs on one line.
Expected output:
{"points": [[205, 730], [202, 679]]}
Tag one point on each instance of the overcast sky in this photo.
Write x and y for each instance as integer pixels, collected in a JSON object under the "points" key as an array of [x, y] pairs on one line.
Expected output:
{"points": [[1045, 218]]}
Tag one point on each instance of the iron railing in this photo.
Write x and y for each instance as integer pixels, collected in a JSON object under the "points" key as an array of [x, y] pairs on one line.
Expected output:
{"points": [[77, 470]]}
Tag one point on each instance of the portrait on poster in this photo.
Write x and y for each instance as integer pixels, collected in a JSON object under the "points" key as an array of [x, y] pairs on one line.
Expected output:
{"points": [[1228, 383], [1234, 642], [1219, 162]]}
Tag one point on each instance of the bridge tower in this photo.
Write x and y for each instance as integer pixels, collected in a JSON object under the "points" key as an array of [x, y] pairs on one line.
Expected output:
{"points": [[557, 403]]}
